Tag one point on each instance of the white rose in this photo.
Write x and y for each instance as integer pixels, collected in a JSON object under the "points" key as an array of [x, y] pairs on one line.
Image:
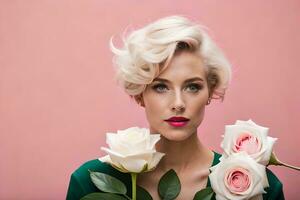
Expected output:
{"points": [[238, 177], [132, 150], [249, 137]]}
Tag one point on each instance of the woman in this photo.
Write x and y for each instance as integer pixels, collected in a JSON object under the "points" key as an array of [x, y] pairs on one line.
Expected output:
{"points": [[173, 70]]}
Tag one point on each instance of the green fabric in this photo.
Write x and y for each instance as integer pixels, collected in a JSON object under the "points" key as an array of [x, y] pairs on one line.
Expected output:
{"points": [[81, 184]]}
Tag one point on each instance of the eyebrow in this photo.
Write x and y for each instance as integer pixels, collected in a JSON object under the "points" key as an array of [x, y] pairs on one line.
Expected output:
{"points": [[186, 81]]}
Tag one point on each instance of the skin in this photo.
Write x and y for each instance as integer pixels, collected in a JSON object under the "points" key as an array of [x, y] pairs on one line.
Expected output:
{"points": [[184, 151]]}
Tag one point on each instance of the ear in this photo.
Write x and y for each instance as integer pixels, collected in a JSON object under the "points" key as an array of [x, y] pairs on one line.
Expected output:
{"points": [[139, 99]]}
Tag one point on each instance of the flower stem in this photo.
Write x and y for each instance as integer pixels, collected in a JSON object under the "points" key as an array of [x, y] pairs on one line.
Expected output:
{"points": [[275, 161], [133, 180], [290, 166]]}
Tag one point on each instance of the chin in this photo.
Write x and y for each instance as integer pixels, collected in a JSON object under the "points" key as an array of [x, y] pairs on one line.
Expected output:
{"points": [[176, 135]]}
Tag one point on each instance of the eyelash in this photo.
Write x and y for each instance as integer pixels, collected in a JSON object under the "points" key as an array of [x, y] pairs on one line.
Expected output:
{"points": [[197, 86]]}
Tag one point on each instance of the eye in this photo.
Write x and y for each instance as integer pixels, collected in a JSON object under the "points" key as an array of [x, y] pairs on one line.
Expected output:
{"points": [[160, 87], [194, 87]]}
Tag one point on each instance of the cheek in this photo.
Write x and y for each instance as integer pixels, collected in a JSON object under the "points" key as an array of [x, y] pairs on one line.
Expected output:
{"points": [[154, 107], [198, 111]]}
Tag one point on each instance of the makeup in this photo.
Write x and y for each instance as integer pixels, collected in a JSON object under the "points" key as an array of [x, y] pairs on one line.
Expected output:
{"points": [[177, 121], [177, 124]]}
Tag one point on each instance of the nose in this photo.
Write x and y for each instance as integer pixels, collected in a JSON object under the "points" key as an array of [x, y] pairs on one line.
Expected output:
{"points": [[178, 102]]}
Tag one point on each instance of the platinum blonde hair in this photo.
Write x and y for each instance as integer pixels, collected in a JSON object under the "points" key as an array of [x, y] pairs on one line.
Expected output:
{"points": [[148, 51]]}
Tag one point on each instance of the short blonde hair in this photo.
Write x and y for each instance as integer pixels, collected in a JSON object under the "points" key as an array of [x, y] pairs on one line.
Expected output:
{"points": [[147, 52]]}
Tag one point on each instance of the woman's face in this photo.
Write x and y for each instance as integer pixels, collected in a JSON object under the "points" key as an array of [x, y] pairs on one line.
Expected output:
{"points": [[182, 85]]}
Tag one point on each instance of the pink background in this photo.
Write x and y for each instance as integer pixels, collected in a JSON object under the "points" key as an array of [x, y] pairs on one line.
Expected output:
{"points": [[58, 97]]}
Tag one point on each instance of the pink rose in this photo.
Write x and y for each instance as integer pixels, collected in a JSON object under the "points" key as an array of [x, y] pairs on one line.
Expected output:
{"points": [[248, 137], [248, 143], [238, 177]]}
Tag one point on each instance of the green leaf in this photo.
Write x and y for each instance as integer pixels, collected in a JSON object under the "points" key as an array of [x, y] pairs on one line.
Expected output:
{"points": [[107, 183], [204, 194], [142, 194], [169, 185], [102, 196]]}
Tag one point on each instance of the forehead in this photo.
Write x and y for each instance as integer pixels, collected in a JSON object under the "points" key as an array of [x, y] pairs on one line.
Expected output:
{"points": [[183, 66]]}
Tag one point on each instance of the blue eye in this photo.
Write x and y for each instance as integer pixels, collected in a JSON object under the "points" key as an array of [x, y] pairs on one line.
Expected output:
{"points": [[159, 87], [194, 87]]}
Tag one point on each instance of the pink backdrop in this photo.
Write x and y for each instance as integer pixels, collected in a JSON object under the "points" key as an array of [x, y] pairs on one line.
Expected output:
{"points": [[58, 97]]}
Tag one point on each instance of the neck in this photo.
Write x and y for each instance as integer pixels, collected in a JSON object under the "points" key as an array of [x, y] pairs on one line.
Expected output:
{"points": [[182, 155]]}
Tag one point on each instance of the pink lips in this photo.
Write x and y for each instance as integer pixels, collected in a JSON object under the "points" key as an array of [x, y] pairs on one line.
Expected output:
{"points": [[177, 121], [178, 124]]}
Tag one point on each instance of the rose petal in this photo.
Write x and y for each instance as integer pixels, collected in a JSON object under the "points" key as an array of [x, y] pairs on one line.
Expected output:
{"points": [[133, 165], [247, 142], [112, 141], [105, 159], [220, 197], [232, 133], [154, 138], [155, 160], [257, 197], [117, 145], [269, 148], [256, 176], [109, 151], [132, 149]]}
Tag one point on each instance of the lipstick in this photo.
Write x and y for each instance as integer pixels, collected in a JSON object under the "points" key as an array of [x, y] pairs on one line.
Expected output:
{"points": [[177, 124], [177, 121]]}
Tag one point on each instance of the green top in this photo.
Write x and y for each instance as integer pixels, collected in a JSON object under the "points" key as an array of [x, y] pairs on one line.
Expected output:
{"points": [[81, 184]]}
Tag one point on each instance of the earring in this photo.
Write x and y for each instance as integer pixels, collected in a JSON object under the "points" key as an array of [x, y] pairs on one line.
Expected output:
{"points": [[208, 101]]}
